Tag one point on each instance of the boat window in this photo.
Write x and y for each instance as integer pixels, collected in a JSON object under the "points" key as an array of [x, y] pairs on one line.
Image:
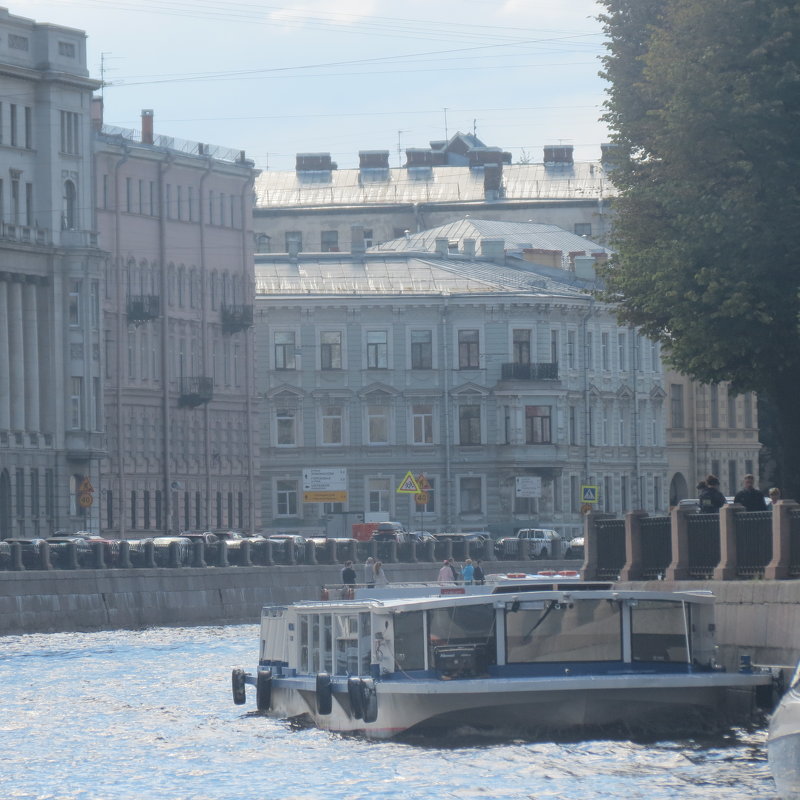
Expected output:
{"points": [[589, 630], [305, 665], [409, 647], [364, 643], [462, 625], [327, 643], [314, 643], [346, 645], [658, 632]]}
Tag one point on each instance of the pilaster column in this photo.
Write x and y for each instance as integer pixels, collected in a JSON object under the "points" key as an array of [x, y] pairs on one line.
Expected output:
{"points": [[16, 355], [632, 571], [679, 568], [31, 346], [5, 375]]}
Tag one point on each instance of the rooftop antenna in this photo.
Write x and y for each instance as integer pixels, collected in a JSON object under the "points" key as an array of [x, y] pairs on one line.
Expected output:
{"points": [[447, 138], [475, 128]]}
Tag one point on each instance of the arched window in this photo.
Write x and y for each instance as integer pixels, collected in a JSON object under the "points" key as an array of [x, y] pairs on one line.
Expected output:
{"points": [[69, 219]]}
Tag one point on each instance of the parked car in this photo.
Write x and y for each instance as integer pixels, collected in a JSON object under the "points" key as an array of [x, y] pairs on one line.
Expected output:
{"points": [[391, 532], [291, 540], [575, 548], [59, 547], [420, 537], [542, 542], [31, 551], [161, 545]]}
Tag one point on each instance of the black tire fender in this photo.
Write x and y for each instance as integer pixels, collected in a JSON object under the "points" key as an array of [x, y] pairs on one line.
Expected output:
{"points": [[356, 698], [264, 689], [369, 700], [237, 686], [324, 694]]}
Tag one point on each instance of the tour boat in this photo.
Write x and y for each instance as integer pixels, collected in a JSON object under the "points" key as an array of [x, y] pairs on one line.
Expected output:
{"points": [[550, 655], [783, 742]]}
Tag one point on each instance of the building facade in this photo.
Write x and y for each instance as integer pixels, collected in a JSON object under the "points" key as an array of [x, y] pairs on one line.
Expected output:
{"points": [[508, 387], [313, 207], [51, 421], [176, 220]]}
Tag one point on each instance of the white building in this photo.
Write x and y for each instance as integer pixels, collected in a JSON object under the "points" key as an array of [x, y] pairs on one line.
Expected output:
{"points": [[473, 368], [50, 281]]}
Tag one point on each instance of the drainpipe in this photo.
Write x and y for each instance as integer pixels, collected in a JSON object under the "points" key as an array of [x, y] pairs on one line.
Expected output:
{"points": [[121, 332], [447, 431], [170, 496], [635, 421], [248, 293], [204, 338]]}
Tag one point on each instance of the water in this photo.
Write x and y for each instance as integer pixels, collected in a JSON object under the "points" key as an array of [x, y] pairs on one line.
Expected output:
{"points": [[148, 715]]}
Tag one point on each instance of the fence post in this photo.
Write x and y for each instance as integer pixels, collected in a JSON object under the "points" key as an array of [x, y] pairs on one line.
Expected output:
{"points": [[331, 551], [632, 571], [124, 554], [412, 551], [269, 553], [174, 555], [149, 554], [198, 553], [726, 569], [430, 551], [678, 570], [590, 568], [244, 554], [393, 552], [98, 555], [16, 557], [44, 556], [781, 543]]}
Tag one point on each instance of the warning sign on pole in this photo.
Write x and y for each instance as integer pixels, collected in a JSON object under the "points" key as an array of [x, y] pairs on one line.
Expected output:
{"points": [[408, 485]]}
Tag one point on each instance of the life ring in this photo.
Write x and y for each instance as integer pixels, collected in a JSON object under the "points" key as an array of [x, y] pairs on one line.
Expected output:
{"points": [[369, 700], [570, 573], [354, 693], [547, 572], [264, 689], [324, 694], [515, 575], [237, 686]]}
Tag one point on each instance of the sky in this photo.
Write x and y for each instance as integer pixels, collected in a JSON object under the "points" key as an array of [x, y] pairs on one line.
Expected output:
{"points": [[297, 77]]}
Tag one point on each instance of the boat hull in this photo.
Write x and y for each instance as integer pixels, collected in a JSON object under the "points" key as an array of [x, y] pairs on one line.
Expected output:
{"points": [[650, 705], [783, 745]]}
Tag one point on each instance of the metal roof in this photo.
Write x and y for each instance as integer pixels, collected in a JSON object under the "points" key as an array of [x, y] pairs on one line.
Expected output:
{"points": [[438, 184]]}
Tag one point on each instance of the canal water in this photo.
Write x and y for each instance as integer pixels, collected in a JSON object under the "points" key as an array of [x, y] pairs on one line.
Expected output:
{"points": [[147, 715]]}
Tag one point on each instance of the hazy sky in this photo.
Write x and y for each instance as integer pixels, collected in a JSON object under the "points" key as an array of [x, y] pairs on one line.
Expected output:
{"points": [[293, 77]]}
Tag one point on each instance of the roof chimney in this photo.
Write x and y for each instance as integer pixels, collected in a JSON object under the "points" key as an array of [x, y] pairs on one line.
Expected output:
{"points": [[442, 246], [147, 126], [97, 113], [584, 267], [469, 248], [560, 155], [494, 250]]}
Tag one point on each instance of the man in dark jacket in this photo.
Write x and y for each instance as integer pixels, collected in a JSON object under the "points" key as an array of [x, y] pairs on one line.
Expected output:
{"points": [[749, 496], [348, 574], [711, 498]]}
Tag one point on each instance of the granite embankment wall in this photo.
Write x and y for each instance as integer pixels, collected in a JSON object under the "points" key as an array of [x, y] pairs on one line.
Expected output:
{"points": [[758, 618]]}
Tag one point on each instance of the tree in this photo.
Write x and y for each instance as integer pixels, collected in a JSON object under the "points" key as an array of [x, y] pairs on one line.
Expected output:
{"points": [[704, 105]]}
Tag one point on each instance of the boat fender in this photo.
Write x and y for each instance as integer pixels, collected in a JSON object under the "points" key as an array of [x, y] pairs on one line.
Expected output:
{"points": [[356, 698], [324, 694], [369, 700], [264, 689], [237, 686]]}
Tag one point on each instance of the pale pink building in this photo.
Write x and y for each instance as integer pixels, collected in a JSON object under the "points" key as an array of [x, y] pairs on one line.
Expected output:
{"points": [[175, 218]]}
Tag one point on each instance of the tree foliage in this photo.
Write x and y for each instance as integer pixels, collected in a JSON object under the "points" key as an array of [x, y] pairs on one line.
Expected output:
{"points": [[704, 105]]}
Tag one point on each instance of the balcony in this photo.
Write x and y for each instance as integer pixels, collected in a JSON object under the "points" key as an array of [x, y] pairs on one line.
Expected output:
{"points": [[530, 372], [195, 392], [143, 308], [236, 318]]}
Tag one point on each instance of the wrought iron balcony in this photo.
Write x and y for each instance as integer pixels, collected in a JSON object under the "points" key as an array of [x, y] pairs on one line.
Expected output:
{"points": [[530, 372], [143, 308], [236, 317], [196, 391]]}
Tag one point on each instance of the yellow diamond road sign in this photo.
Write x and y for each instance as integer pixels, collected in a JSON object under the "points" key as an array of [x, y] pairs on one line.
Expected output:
{"points": [[408, 485]]}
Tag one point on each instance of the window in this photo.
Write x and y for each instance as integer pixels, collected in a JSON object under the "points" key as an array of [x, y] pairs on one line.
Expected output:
{"points": [[748, 413], [714, 405], [377, 350], [75, 303], [605, 356], [676, 404], [607, 493], [146, 511], [573, 425], [537, 425], [554, 347], [286, 427], [20, 487], [294, 239], [133, 508], [140, 196], [469, 424], [329, 242], [430, 506], [583, 229], [469, 493], [70, 122], [284, 350], [733, 482], [35, 492], [589, 350], [422, 423], [715, 466], [379, 494], [129, 195], [421, 349], [468, 356], [377, 424], [731, 409], [332, 425], [331, 350], [621, 427], [66, 49], [29, 204], [69, 219], [656, 493], [28, 128], [622, 352], [368, 237], [521, 346], [571, 347]]}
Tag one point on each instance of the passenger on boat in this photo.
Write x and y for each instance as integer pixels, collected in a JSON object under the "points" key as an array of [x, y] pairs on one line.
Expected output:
{"points": [[468, 573], [447, 574], [478, 574], [369, 572], [348, 574], [380, 578]]}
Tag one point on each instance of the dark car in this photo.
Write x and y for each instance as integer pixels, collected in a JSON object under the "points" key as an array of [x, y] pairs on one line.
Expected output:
{"points": [[290, 540], [31, 551], [59, 550]]}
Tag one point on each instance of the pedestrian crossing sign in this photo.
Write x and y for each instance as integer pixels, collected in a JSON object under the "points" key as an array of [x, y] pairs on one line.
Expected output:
{"points": [[589, 494], [408, 485]]}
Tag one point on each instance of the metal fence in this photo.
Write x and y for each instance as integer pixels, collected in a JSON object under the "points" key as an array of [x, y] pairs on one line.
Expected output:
{"points": [[656, 546], [753, 543], [794, 542], [610, 535], [704, 549]]}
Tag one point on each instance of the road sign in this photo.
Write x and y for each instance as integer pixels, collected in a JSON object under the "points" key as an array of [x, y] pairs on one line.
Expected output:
{"points": [[85, 487], [424, 483], [408, 485], [85, 500], [589, 494], [325, 485], [529, 486], [421, 498]]}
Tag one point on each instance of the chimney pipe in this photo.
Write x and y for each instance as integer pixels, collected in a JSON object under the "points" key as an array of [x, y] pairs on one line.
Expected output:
{"points": [[147, 126], [442, 246], [97, 113]]}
